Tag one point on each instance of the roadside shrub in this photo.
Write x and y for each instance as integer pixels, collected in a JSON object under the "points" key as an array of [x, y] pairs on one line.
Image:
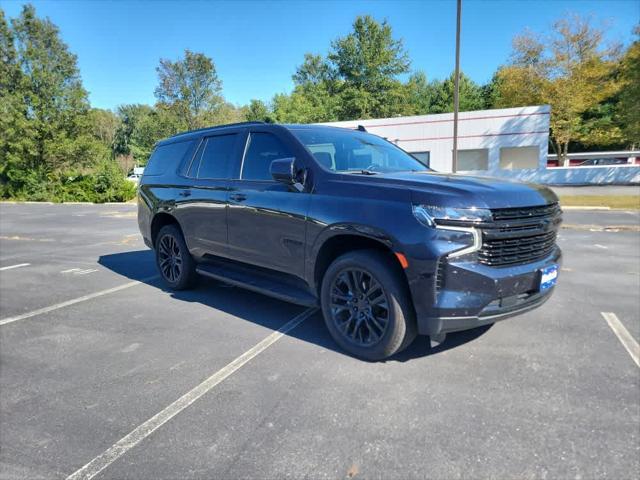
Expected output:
{"points": [[106, 183]]}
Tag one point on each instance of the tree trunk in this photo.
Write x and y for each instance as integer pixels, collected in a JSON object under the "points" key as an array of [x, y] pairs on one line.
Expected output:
{"points": [[565, 152], [554, 147]]}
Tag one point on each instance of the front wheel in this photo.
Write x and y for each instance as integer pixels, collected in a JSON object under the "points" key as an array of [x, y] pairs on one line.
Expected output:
{"points": [[175, 264], [366, 305]]}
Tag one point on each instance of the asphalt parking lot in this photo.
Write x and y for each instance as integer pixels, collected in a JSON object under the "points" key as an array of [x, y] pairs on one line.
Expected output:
{"points": [[101, 367]]}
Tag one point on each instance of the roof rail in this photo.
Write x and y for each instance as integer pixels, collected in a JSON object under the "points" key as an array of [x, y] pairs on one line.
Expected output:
{"points": [[255, 122]]}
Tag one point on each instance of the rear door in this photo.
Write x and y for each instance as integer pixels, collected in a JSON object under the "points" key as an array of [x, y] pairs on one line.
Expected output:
{"points": [[266, 218], [204, 212]]}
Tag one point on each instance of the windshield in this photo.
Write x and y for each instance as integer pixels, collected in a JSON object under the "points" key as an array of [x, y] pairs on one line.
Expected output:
{"points": [[350, 151]]}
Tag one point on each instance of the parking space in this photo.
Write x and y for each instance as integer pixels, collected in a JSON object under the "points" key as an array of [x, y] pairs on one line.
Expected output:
{"points": [[132, 381]]}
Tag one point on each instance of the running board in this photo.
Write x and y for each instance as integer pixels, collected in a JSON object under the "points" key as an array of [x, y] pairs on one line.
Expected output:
{"points": [[259, 282]]}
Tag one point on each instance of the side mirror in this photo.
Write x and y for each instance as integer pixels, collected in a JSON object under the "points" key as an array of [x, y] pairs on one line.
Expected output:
{"points": [[284, 170]]}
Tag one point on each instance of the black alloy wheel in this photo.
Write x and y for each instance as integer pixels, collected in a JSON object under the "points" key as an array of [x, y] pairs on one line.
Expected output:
{"points": [[169, 258], [359, 307], [366, 304], [177, 267]]}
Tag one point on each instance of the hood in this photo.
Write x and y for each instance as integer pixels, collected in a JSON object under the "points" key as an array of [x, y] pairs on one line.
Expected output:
{"points": [[457, 190]]}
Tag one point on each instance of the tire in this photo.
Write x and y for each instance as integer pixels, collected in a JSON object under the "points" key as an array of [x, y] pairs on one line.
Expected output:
{"points": [[179, 273], [363, 326]]}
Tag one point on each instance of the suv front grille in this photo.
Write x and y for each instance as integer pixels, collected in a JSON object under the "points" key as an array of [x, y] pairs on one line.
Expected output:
{"points": [[501, 214], [519, 235], [517, 250]]}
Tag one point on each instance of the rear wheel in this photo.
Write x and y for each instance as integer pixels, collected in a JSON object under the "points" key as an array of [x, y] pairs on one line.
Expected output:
{"points": [[366, 305], [175, 264]]}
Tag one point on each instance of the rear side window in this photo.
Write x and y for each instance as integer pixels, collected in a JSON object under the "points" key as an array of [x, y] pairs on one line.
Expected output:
{"points": [[217, 156], [263, 149], [167, 157]]}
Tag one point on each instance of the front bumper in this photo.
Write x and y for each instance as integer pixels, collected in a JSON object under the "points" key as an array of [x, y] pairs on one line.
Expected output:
{"points": [[459, 295]]}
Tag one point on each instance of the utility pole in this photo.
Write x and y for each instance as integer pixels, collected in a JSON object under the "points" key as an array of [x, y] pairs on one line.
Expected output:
{"points": [[456, 91]]}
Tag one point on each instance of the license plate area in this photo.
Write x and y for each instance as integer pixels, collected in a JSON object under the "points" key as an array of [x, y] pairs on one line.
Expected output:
{"points": [[548, 277]]}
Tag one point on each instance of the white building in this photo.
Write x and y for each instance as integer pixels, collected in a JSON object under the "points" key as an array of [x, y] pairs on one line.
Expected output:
{"points": [[488, 140]]}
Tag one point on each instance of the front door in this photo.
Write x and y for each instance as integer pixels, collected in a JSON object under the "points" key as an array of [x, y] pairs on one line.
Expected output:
{"points": [[266, 221]]}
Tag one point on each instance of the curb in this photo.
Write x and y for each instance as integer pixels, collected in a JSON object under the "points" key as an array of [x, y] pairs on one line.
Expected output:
{"points": [[13, 202], [569, 207]]}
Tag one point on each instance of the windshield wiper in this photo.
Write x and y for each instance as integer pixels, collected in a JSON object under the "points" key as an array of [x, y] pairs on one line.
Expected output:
{"points": [[363, 171]]}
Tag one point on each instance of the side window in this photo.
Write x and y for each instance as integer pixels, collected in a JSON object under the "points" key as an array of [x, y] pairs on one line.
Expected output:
{"points": [[166, 157], [217, 156], [193, 167], [263, 148]]}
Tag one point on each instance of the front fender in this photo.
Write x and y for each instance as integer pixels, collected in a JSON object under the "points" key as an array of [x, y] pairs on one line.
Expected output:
{"points": [[344, 229]]}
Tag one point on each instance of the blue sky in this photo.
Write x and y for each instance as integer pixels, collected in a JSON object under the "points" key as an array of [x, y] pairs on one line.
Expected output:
{"points": [[257, 45]]}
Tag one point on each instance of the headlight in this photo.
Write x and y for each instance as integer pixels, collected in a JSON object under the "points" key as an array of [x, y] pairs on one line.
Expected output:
{"points": [[430, 215], [448, 219]]}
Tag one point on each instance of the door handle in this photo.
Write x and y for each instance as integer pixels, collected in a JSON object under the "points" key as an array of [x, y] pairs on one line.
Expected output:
{"points": [[185, 193], [238, 197]]}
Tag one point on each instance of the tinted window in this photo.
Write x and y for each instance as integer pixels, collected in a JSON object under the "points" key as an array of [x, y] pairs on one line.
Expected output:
{"points": [[189, 166], [263, 149], [167, 157], [217, 157], [345, 150]]}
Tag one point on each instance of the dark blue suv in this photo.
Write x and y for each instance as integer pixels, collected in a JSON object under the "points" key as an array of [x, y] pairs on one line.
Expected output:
{"points": [[345, 220]]}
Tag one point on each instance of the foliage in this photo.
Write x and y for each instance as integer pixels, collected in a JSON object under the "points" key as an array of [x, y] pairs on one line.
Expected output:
{"points": [[358, 78], [368, 61], [629, 105], [257, 110], [54, 146], [104, 124], [471, 95], [573, 73], [190, 89], [46, 125]]}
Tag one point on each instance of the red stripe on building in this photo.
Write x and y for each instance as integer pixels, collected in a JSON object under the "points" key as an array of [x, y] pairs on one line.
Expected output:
{"points": [[421, 122], [470, 136]]}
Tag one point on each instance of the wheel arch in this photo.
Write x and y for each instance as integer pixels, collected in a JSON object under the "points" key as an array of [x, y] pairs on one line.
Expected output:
{"points": [[339, 244], [160, 220]]}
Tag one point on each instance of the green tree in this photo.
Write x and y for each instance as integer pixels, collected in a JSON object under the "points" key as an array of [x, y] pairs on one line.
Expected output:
{"points": [[471, 97], [368, 62], [419, 94], [104, 124], [190, 89], [46, 99], [15, 132], [315, 70], [56, 103], [257, 110], [226, 113], [44, 111], [52, 145], [315, 97], [140, 127]]}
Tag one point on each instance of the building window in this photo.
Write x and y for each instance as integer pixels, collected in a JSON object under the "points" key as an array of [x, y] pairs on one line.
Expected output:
{"points": [[422, 157], [473, 159], [515, 158]]}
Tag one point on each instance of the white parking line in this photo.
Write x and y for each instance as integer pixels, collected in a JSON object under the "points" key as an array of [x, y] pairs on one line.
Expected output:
{"points": [[623, 335], [84, 298], [10, 267], [15, 266], [141, 432], [70, 270], [79, 271]]}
